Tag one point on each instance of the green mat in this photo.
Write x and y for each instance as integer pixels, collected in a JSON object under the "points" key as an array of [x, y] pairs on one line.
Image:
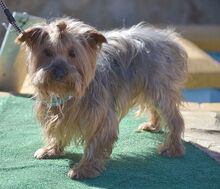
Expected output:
{"points": [[134, 162]]}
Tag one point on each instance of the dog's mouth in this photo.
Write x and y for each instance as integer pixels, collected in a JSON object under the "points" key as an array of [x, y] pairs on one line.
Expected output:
{"points": [[70, 85]]}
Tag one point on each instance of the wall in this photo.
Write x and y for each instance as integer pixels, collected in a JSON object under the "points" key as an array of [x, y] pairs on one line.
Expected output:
{"points": [[106, 14]]}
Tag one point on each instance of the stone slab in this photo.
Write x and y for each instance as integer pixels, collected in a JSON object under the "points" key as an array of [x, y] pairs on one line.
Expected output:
{"points": [[202, 128]]}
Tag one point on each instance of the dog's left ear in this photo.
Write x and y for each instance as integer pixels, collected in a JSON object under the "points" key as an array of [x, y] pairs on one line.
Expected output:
{"points": [[95, 38]]}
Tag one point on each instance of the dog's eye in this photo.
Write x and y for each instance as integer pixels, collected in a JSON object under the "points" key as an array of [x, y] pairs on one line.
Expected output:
{"points": [[48, 52], [72, 53]]}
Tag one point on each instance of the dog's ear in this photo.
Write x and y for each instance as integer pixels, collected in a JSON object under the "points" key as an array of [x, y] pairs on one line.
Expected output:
{"points": [[32, 36], [95, 38]]}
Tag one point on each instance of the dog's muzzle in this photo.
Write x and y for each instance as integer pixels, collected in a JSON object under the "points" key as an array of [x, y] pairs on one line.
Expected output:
{"points": [[59, 70]]}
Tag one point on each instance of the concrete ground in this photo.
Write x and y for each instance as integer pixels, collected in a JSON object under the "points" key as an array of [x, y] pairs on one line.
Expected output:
{"points": [[202, 127], [202, 122]]}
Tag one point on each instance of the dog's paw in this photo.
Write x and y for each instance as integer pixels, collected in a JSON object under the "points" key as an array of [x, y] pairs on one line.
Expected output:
{"points": [[44, 153], [148, 127], [82, 173], [40, 153], [74, 174]]}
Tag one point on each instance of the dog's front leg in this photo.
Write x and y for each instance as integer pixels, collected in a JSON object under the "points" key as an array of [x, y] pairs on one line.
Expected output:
{"points": [[49, 151], [54, 142], [98, 148]]}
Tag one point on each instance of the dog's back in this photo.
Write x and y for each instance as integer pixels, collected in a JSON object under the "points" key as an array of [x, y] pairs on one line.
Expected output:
{"points": [[137, 62]]}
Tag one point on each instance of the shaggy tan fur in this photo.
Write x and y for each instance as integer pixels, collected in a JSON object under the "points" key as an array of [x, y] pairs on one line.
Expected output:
{"points": [[95, 78]]}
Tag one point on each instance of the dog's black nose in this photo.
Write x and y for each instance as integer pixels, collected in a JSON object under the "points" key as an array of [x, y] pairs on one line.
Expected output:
{"points": [[59, 71]]}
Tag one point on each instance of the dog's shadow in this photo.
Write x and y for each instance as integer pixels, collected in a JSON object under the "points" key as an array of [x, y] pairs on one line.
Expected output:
{"points": [[72, 157], [149, 170]]}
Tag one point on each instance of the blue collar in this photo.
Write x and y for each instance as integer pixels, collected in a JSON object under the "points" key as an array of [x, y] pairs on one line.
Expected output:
{"points": [[57, 101]]}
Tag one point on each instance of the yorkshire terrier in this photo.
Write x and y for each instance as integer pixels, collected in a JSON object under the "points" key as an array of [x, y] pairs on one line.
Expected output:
{"points": [[86, 81]]}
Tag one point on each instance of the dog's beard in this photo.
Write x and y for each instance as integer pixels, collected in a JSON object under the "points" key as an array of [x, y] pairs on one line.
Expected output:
{"points": [[72, 84]]}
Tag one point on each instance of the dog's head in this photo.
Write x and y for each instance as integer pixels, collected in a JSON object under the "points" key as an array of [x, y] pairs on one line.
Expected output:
{"points": [[62, 56]]}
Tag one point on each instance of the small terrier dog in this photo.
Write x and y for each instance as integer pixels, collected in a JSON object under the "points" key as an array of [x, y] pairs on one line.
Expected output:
{"points": [[87, 80]]}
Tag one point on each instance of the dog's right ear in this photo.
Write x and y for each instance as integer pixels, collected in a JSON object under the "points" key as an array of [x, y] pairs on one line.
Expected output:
{"points": [[32, 36]]}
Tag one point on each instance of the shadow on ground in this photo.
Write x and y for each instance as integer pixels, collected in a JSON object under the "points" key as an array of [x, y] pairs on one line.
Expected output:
{"points": [[153, 171]]}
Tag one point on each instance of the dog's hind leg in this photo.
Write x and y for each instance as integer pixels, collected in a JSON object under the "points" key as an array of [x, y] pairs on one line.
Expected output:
{"points": [[154, 124], [168, 108]]}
